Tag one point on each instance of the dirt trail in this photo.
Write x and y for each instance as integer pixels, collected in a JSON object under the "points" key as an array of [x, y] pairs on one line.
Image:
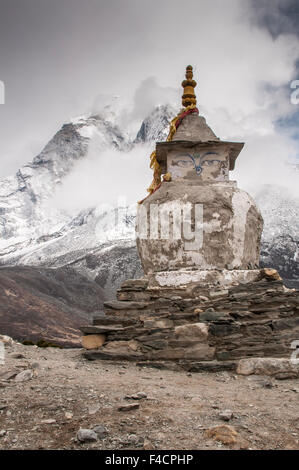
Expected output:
{"points": [[67, 393]]}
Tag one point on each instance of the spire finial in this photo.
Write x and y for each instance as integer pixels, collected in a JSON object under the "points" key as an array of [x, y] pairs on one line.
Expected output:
{"points": [[189, 84]]}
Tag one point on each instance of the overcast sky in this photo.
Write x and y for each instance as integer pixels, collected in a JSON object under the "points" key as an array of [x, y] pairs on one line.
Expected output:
{"points": [[57, 56]]}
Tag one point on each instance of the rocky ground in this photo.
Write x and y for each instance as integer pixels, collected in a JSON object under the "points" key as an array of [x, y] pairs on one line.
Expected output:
{"points": [[128, 407]]}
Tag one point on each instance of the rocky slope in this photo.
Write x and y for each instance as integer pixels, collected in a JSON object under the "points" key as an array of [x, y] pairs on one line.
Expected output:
{"points": [[49, 304], [35, 233], [280, 240]]}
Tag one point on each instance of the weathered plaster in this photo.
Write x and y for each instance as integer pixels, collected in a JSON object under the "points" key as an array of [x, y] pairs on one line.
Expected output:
{"points": [[223, 277], [230, 219]]}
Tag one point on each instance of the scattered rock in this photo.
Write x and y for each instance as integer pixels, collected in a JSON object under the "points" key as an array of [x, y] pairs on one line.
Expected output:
{"points": [[24, 376], [68, 415], [93, 409], [87, 435], [17, 356], [7, 340], [226, 415], [2, 432], [286, 375], [35, 365], [137, 396], [267, 384], [129, 407], [8, 375], [147, 445], [141, 395], [224, 433], [100, 431], [48, 421], [133, 439]]}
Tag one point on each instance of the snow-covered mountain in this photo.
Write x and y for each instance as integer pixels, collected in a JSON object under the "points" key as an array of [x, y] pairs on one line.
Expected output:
{"points": [[280, 239], [98, 244]]}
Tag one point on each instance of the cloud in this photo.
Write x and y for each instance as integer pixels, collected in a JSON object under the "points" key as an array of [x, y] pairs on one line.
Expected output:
{"points": [[105, 178], [243, 72], [149, 94], [278, 16], [267, 159]]}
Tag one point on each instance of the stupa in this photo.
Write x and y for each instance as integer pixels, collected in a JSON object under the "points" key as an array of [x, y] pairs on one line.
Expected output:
{"points": [[203, 302], [215, 228]]}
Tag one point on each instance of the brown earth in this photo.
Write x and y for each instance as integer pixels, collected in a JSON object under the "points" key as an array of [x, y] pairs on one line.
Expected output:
{"points": [[48, 304], [179, 412]]}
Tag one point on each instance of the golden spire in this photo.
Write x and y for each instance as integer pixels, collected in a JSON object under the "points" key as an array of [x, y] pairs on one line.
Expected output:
{"points": [[189, 84]]}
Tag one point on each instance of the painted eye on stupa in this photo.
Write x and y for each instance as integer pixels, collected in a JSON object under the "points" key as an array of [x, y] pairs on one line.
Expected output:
{"points": [[210, 162]]}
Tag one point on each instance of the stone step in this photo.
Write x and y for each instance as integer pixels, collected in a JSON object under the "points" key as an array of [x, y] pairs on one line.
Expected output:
{"points": [[113, 320], [190, 366], [134, 284], [99, 354], [125, 305], [93, 330]]}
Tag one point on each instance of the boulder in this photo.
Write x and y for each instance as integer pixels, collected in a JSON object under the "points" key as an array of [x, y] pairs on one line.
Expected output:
{"points": [[129, 407], [266, 366], [226, 415], [93, 341], [24, 376], [271, 274], [87, 435]]}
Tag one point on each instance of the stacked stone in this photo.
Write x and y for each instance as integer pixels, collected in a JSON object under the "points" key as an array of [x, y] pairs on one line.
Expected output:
{"points": [[195, 328]]}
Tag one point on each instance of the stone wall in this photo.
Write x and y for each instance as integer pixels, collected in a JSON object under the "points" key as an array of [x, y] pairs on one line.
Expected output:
{"points": [[197, 328]]}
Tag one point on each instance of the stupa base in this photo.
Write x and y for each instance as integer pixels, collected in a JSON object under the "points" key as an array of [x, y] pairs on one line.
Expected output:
{"points": [[196, 327], [209, 277]]}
